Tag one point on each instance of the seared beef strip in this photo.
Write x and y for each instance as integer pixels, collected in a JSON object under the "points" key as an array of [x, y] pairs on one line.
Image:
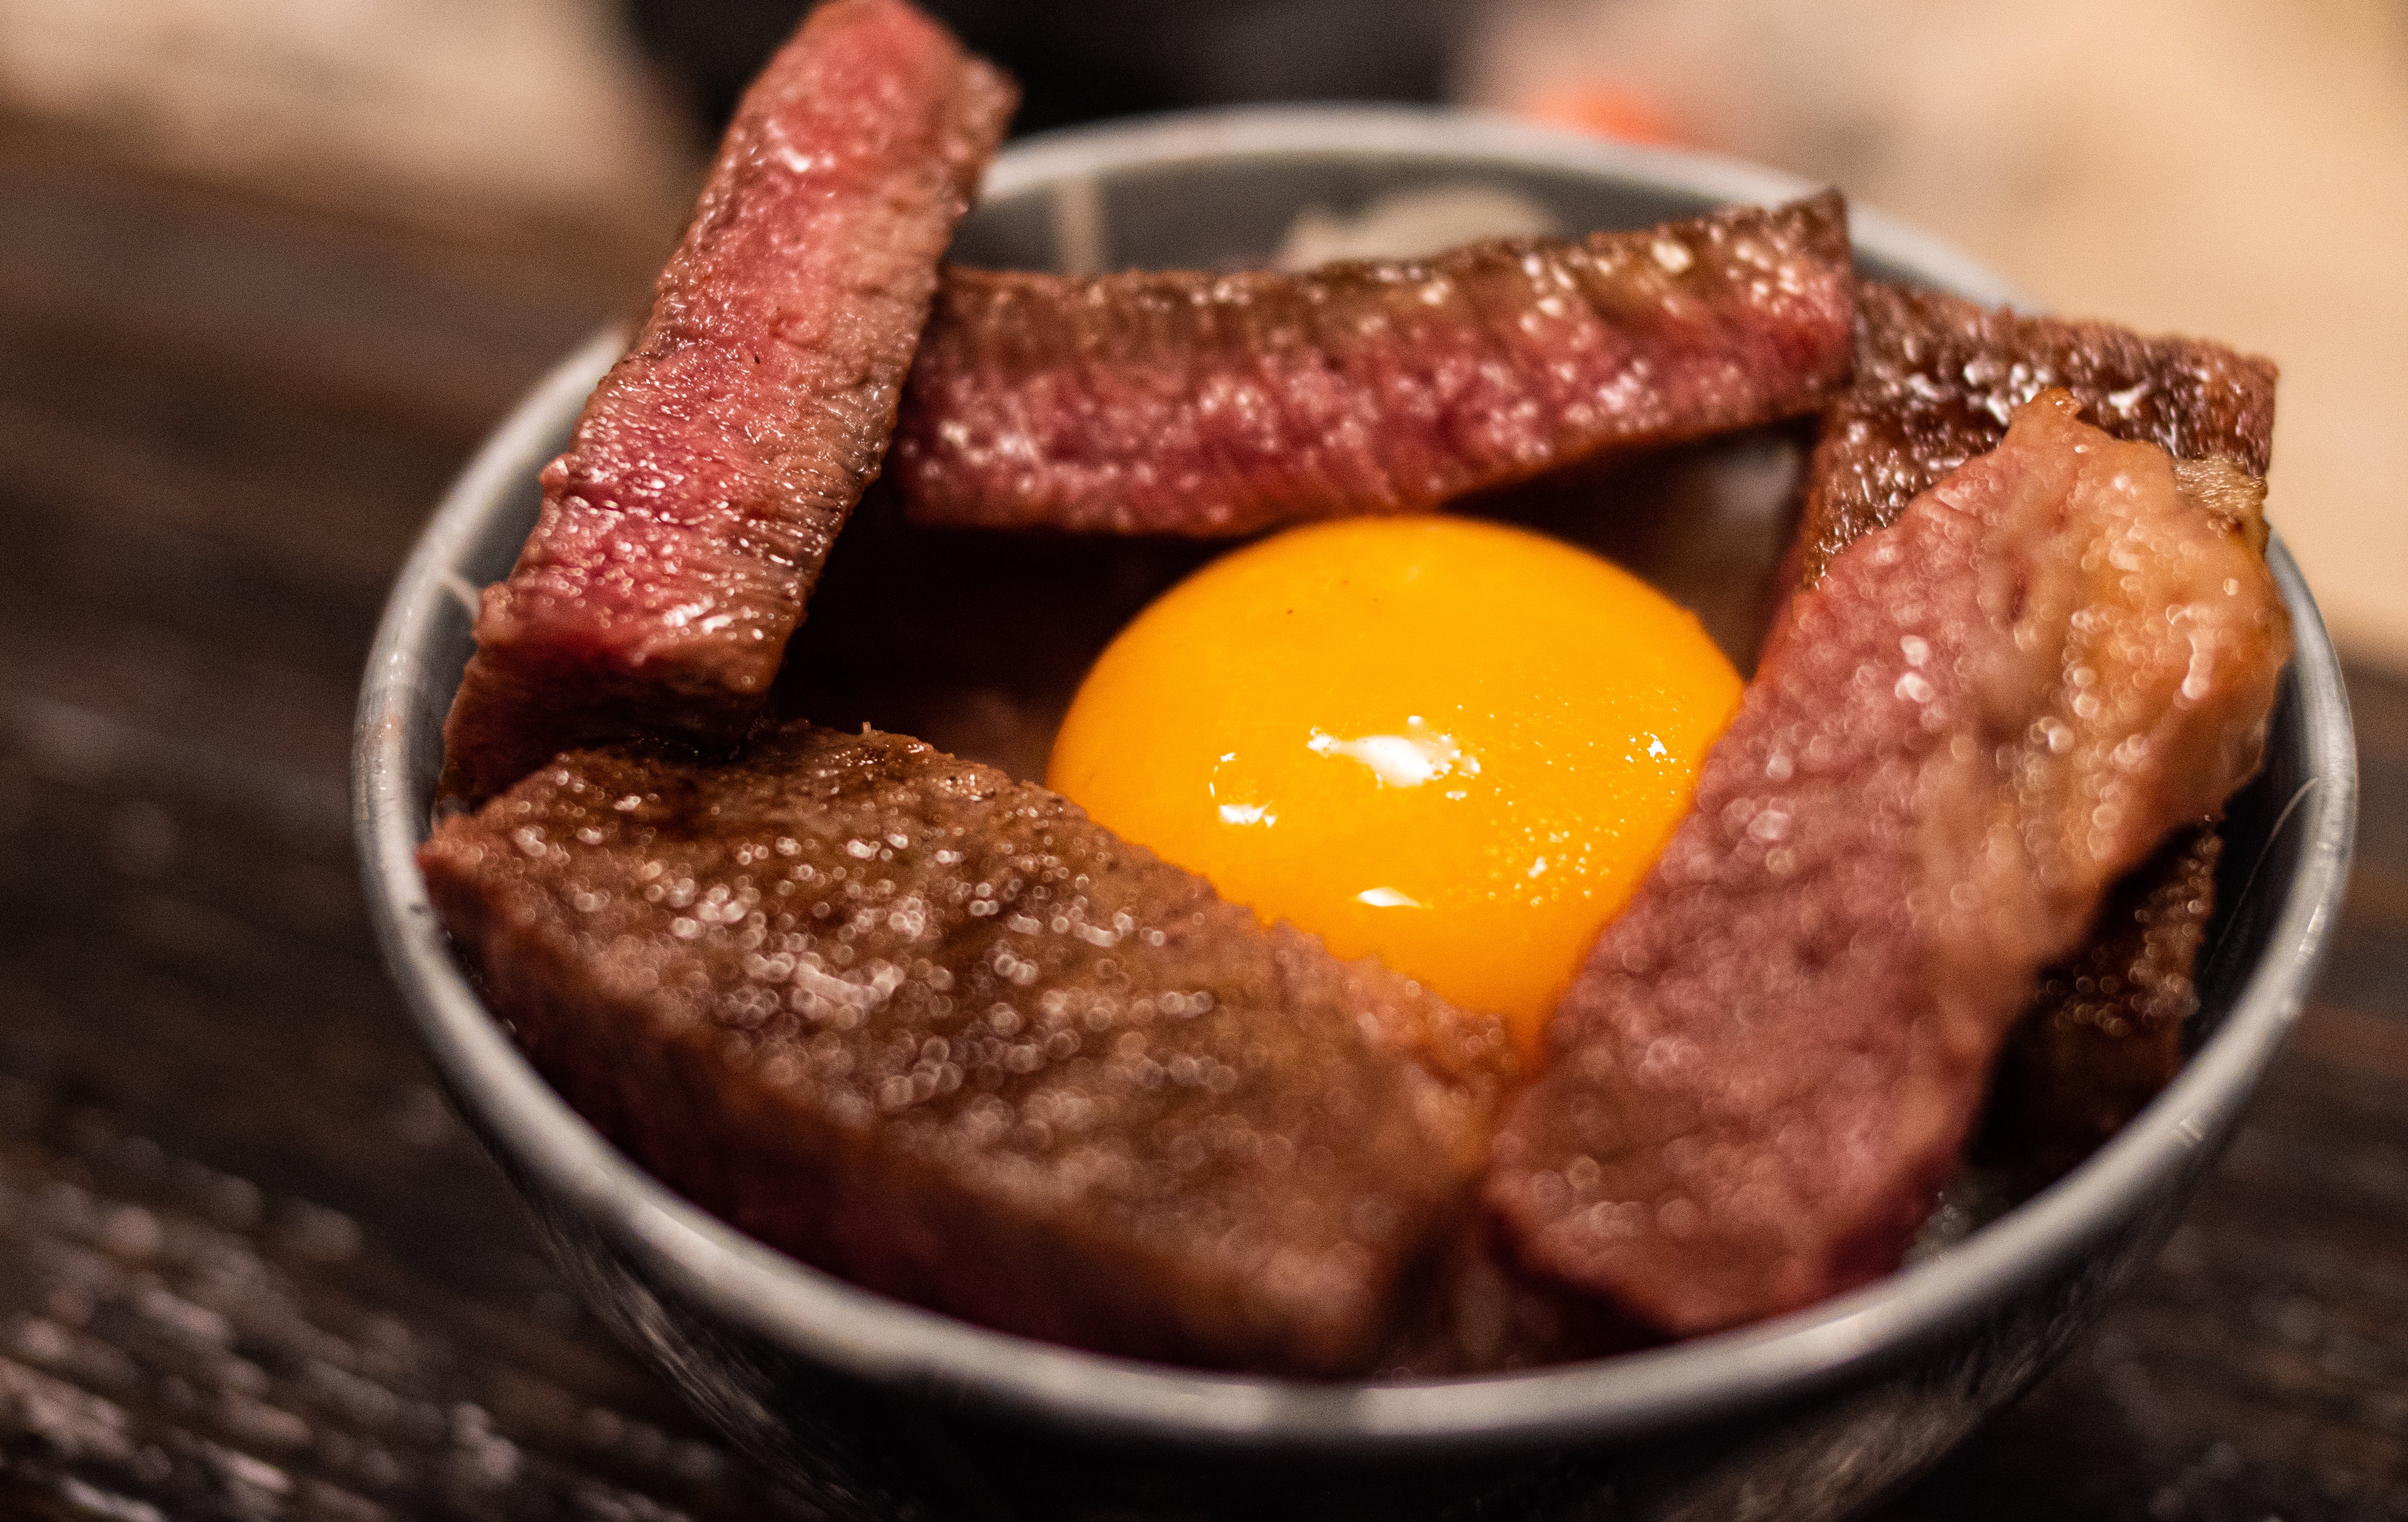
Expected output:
{"points": [[1938, 377], [1201, 404], [1936, 380], [2104, 1032], [683, 530], [1973, 724], [934, 1031]]}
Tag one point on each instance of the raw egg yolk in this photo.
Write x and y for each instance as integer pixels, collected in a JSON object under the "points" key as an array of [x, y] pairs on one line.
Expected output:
{"points": [[1452, 744]]}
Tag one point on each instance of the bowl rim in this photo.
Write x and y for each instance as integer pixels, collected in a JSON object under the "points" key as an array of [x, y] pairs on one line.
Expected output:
{"points": [[828, 1321]]}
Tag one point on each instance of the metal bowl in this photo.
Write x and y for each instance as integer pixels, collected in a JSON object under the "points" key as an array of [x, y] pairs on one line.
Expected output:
{"points": [[873, 1408]]}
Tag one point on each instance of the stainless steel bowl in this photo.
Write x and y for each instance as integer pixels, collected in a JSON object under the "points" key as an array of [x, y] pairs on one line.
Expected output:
{"points": [[877, 1409]]}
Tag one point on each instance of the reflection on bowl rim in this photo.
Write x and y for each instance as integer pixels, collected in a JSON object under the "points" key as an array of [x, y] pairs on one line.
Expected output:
{"points": [[870, 1336]]}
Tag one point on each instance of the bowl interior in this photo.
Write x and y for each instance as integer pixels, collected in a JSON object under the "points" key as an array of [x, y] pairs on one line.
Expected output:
{"points": [[975, 643]]}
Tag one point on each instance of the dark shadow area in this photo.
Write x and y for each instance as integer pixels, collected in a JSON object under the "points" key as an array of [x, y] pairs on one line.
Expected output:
{"points": [[1083, 60]]}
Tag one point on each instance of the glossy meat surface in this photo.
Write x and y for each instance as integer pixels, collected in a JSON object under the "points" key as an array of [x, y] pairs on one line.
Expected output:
{"points": [[1959, 738], [683, 530], [934, 1031], [1201, 404], [2104, 1032], [1936, 380]]}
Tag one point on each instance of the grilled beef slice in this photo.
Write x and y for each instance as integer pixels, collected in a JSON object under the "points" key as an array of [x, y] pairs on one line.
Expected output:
{"points": [[934, 1031], [1959, 738], [681, 532], [1201, 404], [1936, 380], [2104, 1032]]}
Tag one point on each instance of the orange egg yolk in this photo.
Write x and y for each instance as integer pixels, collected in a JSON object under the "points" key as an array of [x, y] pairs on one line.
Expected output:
{"points": [[1451, 744]]}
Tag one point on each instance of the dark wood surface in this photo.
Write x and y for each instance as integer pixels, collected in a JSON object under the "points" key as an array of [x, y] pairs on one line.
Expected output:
{"points": [[251, 1267]]}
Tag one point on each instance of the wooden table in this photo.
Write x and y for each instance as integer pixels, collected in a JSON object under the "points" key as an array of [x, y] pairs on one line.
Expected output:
{"points": [[251, 1267]]}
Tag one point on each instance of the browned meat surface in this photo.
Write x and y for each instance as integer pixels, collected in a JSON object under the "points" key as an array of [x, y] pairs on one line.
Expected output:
{"points": [[1482, 1313], [683, 530], [1972, 725], [932, 1029], [1936, 380], [2105, 1033], [1201, 404]]}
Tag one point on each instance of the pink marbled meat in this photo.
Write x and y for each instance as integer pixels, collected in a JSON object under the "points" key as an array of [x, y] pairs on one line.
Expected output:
{"points": [[1960, 737], [1199, 404], [683, 531]]}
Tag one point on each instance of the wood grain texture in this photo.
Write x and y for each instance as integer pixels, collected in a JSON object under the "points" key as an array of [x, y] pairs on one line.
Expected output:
{"points": [[250, 1267]]}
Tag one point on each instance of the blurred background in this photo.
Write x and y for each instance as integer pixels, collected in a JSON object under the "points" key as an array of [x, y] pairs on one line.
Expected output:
{"points": [[269, 268]]}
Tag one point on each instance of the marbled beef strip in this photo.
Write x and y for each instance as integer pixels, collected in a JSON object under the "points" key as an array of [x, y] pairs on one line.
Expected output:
{"points": [[935, 1030], [1201, 404], [1936, 381], [683, 529], [1959, 738]]}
